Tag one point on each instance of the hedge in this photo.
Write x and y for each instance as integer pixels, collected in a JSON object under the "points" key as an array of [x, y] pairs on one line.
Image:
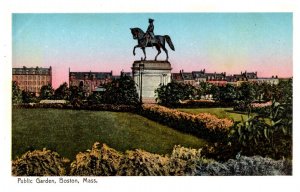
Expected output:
{"points": [[203, 125], [203, 104], [96, 107], [105, 161]]}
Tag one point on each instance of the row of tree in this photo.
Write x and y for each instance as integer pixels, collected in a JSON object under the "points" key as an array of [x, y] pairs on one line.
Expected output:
{"points": [[248, 92], [123, 91], [119, 91]]}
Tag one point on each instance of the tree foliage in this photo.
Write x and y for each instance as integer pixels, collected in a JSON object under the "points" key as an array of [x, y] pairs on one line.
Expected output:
{"points": [[227, 93], [16, 93], [121, 91], [47, 92], [29, 97], [62, 92], [172, 93], [270, 136], [246, 92]]}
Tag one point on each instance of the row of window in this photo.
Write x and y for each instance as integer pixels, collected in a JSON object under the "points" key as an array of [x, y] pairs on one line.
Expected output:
{"points": [[30, 89], [32, 83], [31, 77]]}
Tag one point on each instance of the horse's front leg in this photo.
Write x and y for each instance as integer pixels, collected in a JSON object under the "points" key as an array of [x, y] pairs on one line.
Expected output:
{"points": [[166, 51], [158, 52], [134, 49], [144, 51]]}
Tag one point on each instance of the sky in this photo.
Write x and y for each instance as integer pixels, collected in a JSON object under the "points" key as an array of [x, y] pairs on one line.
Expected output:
{"points": [[216, 42]]}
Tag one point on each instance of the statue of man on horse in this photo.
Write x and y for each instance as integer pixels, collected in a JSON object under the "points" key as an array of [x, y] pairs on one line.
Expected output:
{"points": [[150, 31], [148, 39]]}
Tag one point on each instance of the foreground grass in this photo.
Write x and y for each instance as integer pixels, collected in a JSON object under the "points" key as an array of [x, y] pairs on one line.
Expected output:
{"points": [[70, 131], [219, 112]]}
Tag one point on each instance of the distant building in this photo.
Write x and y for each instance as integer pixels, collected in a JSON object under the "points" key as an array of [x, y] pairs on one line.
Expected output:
{"points": [[176, 77], [90, 80], [273, 80], [220, 79], [32, 79], [188, 78], [93, 81], [126, 74], [199, 76], [250, 75]]}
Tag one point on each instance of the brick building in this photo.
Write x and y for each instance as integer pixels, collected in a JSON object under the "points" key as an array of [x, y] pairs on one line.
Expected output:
{"points": [[32, 79], [90, 80]]}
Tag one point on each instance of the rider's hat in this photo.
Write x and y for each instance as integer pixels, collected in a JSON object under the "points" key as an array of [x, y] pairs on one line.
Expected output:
{"points": [[151, 20]]}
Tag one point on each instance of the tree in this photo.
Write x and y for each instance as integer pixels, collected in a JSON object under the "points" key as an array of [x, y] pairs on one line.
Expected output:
{"points": [[121, 91], [28, 97], [283, 92], [16, 93], [172, 93], [227, 93], [62, 92], [95, 98], [214, 91], [205, 88], [47, 92], [246, 92]]}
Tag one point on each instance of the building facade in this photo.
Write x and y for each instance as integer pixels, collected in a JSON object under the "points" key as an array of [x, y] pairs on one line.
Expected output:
{"points": [[32, 79], [91, 81], [220, 79]]}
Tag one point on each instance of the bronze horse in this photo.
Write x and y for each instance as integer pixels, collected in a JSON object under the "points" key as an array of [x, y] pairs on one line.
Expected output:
{"points": [[158, 42]]}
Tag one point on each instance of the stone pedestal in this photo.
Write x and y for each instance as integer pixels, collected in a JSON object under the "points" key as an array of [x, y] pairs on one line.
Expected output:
{"points": [[148, 75]]}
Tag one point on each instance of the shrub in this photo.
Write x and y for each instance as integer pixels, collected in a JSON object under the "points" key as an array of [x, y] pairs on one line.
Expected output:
{"points": [[143, 163], [203, 103], [267, 137], [39, 163], [96, 107], [243, 165], [101, 160], [202, 124], [105, 161]]}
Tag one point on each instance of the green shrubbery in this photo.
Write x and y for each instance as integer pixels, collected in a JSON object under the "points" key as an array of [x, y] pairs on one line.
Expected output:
{"points": [[270, 136], [203, 125], [97, 107]]}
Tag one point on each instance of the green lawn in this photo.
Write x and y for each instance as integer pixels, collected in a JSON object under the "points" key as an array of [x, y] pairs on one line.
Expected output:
{"points": [[219, 112], [71, 131]]}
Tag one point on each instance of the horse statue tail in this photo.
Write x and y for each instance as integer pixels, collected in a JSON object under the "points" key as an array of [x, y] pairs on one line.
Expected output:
{"points": [[169, 41]]}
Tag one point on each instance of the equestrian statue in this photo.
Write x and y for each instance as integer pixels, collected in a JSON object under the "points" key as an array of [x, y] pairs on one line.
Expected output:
{"points": [[148, 39]]}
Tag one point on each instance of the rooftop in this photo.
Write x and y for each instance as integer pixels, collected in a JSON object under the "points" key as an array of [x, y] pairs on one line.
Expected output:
{"points": [[31, 71]]}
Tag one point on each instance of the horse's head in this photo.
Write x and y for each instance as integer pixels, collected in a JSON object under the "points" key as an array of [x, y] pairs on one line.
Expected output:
{"points": [[136, 33]]}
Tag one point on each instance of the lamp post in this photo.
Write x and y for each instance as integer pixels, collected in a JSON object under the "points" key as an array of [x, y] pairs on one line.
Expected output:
{"points": [[141, 69]]}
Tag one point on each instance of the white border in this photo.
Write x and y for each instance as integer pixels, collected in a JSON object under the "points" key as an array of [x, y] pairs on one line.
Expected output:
{"points": [[132, 184]]}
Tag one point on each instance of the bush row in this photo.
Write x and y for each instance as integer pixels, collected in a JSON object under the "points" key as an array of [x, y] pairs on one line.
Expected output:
{"points": [[260, 108], [105, 161], [97, 107], [203, 125], [203, 104]]}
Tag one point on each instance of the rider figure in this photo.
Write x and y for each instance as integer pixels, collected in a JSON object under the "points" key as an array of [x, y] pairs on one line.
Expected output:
{"points": [[149, 33]]}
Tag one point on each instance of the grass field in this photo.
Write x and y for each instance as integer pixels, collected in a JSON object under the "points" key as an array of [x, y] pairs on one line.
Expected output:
{"points": [[71, 131], [219, 112]]}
